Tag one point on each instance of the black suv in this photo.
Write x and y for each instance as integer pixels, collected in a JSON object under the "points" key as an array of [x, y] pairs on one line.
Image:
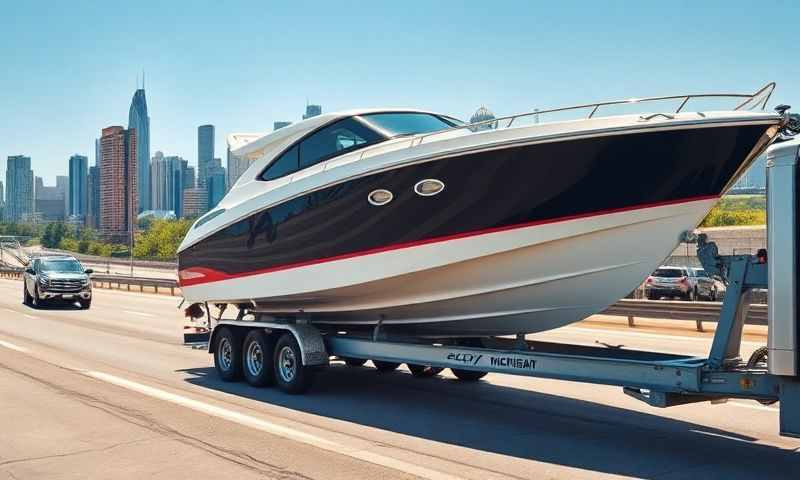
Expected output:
{"points": [[56, 277]]}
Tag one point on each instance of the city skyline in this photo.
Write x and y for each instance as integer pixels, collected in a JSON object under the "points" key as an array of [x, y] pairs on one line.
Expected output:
{"points": [[58, 72]]}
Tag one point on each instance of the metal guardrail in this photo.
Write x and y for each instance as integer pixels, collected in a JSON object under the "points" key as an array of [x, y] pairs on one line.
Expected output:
{"points": [[102, 280], [698, 312]]}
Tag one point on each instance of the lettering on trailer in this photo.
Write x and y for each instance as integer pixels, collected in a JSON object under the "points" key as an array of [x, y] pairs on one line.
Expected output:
{"points": [[513, 362], [466, 358]]}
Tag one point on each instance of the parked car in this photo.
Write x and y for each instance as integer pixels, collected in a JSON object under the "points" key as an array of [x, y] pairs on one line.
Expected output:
{"points": [[708, 287], [683, 282], [49, 278]]}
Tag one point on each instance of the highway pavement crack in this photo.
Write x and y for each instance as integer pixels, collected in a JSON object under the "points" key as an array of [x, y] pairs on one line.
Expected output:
{"points": [[71, 454], [146, 421]]}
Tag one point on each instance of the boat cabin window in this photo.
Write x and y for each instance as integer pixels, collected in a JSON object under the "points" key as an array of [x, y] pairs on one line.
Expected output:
{"points": [[351, 134], [406, 123], [284, 165], [344, 135]]}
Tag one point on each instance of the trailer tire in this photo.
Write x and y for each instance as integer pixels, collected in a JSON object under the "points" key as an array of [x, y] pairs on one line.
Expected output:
{"points": [[423, 371], [468, 375], [385, 367], [228, 354], [291, 375], [354, 362], [258, 354]]}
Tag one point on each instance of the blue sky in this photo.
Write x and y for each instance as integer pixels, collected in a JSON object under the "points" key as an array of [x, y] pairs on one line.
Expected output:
{"points": [[70, 68]]}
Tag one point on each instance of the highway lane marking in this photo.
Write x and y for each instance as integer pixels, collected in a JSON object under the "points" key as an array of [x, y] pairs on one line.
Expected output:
{"points": [[272, 428], [141, 314], [11, 346], [646, 335]]}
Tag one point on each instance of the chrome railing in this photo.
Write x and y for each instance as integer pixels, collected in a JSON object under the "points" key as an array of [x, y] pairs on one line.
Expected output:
{"points": [[757, 100]]}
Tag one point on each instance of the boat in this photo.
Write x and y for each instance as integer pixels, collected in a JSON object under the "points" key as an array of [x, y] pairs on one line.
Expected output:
{"points": [[420, 224]]}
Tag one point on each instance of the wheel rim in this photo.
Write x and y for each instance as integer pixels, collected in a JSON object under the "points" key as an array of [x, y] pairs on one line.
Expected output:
{"points": [[225, 353], [255, 358], [287, 364]]}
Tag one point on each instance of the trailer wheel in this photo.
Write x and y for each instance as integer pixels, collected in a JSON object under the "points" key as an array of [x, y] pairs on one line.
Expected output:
{"points": [[423, 371], [228, 354], [385, 367], [759, 359], [468, 375], [354, 362], [257, 357], [291, 375]]}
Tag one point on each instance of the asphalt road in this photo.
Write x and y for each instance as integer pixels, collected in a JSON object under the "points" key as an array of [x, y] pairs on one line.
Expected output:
{"points": [[111, 393]]}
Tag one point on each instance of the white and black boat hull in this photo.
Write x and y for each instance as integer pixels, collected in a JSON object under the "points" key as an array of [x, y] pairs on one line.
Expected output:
{"points": [[525, 237]]}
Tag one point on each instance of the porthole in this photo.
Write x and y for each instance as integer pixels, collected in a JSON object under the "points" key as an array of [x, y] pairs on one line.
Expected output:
{"points": [[380, 197], [429, 187]]}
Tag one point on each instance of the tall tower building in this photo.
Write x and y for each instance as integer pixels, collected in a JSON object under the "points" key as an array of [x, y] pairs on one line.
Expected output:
{"points": [[19, 184], [119, 195], [139, 121], [93, 197], [189, 176], [205, 152], [167, 174], [78, 176], [312, 111], [279, 125], [215, 185]]}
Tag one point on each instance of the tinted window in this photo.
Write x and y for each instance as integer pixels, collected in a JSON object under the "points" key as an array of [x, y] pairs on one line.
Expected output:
{"points": [[406, 123], [701, 273], [668, 273], [285, 164], [347, 134], [70, 266]]}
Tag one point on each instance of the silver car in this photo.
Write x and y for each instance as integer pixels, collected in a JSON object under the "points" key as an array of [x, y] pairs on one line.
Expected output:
{"points": [[50, 278]]}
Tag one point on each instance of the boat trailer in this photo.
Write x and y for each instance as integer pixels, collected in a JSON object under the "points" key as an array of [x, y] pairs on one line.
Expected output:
{"points": [[293, 350]]}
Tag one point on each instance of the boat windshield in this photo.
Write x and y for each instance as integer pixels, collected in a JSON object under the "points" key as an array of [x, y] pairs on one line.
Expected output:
{"points": [[397, 124], [61, 266]]}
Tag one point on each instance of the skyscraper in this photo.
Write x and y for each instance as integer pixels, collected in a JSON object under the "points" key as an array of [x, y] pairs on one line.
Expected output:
{"points": [[167, 176], [139, 121], [189, 176], [312, 111], [19, 184], [119, 195], [215, 185], [93, 197], [205, 152], [279, 125], [2, 201], [195, 201], [78, 171], [50, 201]]}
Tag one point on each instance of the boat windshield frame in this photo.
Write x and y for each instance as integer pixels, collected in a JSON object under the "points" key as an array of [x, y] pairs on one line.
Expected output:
{"points": [[381, 134]]}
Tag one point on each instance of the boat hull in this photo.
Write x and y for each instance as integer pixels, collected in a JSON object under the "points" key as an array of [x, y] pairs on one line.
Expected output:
{"points": [[523, 238]]}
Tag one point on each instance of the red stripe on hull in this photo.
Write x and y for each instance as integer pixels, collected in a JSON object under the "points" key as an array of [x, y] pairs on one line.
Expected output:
{"points": [[200, 275]]}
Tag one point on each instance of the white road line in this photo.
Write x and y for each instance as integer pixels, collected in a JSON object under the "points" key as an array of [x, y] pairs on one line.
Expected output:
{"points": [[600, 331], [13, 347], [141, 314], [273, 428]]}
